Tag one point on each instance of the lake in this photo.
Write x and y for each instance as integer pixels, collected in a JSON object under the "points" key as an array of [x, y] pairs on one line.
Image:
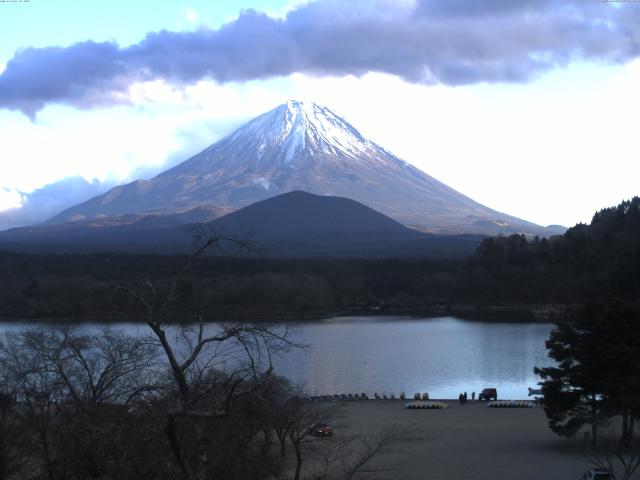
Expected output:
{"points": [[443, 356]]}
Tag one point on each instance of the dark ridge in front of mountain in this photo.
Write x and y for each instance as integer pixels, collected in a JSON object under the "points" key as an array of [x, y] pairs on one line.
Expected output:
{"points": [[295, 224]]}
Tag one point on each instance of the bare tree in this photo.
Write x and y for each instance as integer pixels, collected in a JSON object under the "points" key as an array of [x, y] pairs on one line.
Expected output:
{"points": [[73, 392], [188, 400], [243, 350], [300, 418], [293, 419], [38, 392], [279, 412], [104, 368], [103, 374], [351, 456], [620, 458], [10, 436]]}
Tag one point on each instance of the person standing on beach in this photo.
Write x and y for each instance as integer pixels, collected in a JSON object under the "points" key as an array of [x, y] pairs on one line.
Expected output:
{"points": [[473, 396], [461, 399], [464, 398]]}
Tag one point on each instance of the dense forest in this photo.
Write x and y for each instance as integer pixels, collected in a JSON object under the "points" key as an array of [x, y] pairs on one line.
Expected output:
{"points": [[589, 261], [592, 261]]}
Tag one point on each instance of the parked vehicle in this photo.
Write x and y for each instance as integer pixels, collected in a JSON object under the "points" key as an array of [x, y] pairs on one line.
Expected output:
{"points": [[321, 430], [597, 474], [488, 394]]}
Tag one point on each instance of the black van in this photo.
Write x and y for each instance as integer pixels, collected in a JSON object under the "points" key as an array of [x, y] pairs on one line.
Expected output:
{"points": [[488, 394]]}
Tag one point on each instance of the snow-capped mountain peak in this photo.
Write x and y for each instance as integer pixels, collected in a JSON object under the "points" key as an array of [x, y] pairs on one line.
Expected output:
{"points": [[303, 146], [298, 127]]}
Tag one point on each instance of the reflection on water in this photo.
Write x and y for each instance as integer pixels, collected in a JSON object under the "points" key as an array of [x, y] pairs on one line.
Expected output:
{"points": [[444, 356]]}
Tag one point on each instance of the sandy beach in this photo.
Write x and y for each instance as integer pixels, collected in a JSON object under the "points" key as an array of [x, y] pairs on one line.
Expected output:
{"points": [[467, 442]]}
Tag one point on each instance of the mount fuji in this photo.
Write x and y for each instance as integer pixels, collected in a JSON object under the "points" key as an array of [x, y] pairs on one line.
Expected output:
{"points": [[300, 146]]}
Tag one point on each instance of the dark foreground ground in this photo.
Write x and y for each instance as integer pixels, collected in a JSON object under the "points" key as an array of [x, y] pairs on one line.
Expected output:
{"points": [[466, 443]]}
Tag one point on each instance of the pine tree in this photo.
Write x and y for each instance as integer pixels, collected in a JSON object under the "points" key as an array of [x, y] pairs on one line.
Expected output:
{"points": [[597, 375]]}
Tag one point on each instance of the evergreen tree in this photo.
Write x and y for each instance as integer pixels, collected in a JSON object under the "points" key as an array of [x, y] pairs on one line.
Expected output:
{"points": [[597, 375]]}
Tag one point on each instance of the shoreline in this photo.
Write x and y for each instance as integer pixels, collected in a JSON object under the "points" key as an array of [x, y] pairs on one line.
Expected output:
{"points": [[536, 313]]}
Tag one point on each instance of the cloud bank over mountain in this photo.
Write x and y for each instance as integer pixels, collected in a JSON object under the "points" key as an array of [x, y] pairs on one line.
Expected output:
{"points": [[45, 202], [454, 42]]}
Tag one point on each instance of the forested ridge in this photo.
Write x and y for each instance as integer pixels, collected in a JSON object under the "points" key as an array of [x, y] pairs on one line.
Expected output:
{"points": [[587, 262], [598, 260], [596, 348]]}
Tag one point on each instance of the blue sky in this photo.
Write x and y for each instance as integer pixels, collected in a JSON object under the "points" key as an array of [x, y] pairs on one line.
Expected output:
{"points": [[42, 23], [528, 107]]}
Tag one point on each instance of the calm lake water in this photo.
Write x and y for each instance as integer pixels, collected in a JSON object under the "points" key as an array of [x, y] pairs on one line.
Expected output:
{"points": [[443, 356]]}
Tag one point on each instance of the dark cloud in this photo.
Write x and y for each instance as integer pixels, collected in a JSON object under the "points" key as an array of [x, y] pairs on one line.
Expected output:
{"points": [[45, 202], [85, 73], [454, 42]]}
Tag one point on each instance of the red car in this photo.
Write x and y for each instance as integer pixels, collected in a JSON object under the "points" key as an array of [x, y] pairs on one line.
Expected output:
{"points": [[321, 430]]}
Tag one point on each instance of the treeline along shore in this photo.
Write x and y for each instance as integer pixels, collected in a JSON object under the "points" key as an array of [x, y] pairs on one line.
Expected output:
{"points": [[507, 278], [86, 288]]}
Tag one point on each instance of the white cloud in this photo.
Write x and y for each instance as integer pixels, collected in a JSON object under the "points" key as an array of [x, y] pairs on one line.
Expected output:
{"points": [[9, 199], [157, 91], [63, 143], [191, 15], [552, 151], [116, 144]]}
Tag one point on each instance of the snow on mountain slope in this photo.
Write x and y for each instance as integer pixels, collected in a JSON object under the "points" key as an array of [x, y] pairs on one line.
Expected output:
{"points": [[304, 146], [296, 126]]}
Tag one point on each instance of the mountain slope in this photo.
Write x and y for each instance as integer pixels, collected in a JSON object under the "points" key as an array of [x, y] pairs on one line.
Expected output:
{"points": [[302, 223], [295, 224], [301, 146], [300, 214]]}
